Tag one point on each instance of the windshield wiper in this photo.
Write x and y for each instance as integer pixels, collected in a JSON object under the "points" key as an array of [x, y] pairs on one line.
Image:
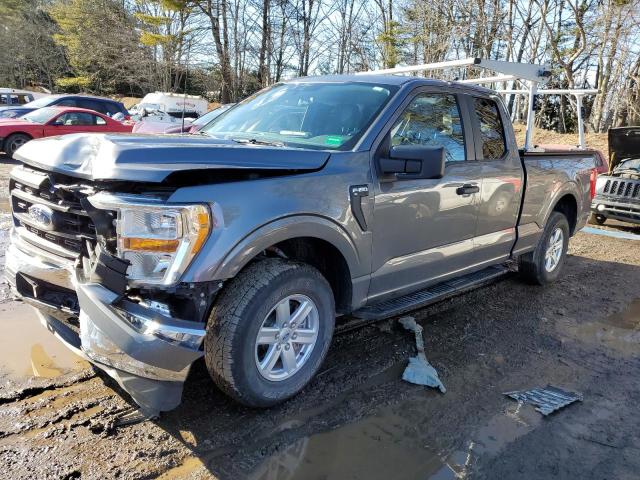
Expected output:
{"points": [[255, 141]]}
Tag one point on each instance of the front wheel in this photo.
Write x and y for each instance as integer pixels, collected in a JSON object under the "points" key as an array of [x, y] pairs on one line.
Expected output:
{"points": [[544, 264], [14, 142], [597, 219], [269, 331]]}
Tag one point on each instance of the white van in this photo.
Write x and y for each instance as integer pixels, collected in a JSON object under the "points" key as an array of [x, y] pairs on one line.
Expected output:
{"points": [[172, 104]]}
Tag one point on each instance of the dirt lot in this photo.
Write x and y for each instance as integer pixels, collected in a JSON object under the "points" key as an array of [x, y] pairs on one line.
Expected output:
{"points": [[358, 419]]}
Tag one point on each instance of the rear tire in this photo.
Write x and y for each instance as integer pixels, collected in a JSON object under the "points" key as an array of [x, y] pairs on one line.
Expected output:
{"points": [[597, 219], [247, 316], [15, 141], [544, 264]]}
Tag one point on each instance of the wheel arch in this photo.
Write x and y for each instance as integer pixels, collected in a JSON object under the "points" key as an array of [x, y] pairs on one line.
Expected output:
{"points": [[568, 206], [31, 137], [314, 240]]}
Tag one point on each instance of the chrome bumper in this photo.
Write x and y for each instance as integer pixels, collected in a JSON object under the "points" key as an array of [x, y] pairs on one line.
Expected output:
{"points": [[617, 210], [22, 257], [150, 368]]}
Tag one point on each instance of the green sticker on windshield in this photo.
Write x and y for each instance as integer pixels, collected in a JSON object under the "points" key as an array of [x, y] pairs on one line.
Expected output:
{"points": [[333, 141]]}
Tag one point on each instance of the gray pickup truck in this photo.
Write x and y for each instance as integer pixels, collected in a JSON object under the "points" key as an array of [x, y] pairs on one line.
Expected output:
{"points": [[312, 203]]}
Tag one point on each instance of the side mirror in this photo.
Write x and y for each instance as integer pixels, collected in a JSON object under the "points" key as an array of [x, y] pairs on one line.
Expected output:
{"points": [[414, 161]]}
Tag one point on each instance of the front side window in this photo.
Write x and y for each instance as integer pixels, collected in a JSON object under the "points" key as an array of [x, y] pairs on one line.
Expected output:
{"points": [[491, 130], [433, 120], [73, 119], [308, 115]]}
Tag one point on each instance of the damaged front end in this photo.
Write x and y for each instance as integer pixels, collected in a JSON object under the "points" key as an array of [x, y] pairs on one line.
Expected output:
{"points": [[103, 269]]}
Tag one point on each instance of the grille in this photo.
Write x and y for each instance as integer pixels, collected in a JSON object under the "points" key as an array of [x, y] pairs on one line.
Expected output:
{"points": [[70, 225], [623, 188]]}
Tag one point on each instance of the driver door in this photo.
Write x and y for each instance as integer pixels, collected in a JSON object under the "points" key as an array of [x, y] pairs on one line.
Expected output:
{"points": [[74, 122], [423, 228]]}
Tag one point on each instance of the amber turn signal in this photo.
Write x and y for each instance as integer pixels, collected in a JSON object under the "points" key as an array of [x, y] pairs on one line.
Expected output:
{"points": [[150, 245]]}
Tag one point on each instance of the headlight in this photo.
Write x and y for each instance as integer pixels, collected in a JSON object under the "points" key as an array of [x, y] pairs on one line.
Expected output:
{"points": [[159, 240]]}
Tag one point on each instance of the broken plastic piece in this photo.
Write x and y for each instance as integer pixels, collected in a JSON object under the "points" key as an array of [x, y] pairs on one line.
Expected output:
{"points": [[548, 399], [419, 370]]}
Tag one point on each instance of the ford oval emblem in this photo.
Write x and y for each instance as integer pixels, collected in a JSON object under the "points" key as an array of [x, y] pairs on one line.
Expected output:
{"points": [[42, 215]]}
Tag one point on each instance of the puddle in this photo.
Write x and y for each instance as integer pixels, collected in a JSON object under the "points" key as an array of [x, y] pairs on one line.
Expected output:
{"points": [[372, 448], [489, 440], [387, 445], [619, 332], [27, 349]]}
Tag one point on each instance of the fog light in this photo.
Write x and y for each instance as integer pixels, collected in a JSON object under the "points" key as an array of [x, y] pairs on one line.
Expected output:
{"points": [[600, 208]]}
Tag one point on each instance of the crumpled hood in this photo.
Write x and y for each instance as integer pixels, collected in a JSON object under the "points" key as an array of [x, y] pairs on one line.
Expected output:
{"points": [[151, 158]]}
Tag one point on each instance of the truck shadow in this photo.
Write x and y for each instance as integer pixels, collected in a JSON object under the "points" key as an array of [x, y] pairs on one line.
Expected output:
{"points": [[489, 337]]}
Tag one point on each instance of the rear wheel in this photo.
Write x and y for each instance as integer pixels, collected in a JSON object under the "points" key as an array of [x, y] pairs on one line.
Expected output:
{"points": [[14, 142], [269, 331], [544, 264]]}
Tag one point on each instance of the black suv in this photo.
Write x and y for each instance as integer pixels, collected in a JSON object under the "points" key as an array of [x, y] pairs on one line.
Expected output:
{"points": [[105, 106]]}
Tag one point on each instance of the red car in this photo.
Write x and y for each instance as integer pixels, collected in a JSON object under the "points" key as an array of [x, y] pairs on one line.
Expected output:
{"points": [[50, 121]]}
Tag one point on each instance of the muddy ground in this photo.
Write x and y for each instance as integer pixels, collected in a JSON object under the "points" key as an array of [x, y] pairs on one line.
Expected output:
{"points": [[358, 419]]}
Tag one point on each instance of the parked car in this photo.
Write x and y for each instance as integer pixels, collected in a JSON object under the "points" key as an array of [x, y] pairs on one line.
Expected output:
{"points": [[200, 122], [174, 104], [13, 96], [49, 121], [363, 195], [618, 193], [160, 123], [105, 106]]}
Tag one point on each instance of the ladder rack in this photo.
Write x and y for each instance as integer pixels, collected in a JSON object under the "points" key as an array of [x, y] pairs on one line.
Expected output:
{"points": [[530, 74]]}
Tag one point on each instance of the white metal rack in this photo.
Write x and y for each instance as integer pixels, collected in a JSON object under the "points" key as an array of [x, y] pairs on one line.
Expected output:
{"points": [[529, 74]]}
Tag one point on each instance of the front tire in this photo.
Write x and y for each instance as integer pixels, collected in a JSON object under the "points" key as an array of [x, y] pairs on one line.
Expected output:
{"points": [[14, 142], [544, 264], [269, 331]]}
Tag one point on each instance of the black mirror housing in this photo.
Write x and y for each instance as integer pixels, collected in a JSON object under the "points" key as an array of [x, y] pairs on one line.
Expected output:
{"points": [[414, 161]]}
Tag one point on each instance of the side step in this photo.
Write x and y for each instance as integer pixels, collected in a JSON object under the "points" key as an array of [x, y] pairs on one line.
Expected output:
{"points": [[435, 293]]}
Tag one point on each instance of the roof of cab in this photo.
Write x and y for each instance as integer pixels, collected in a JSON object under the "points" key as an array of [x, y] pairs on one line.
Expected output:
{"points": [[395, 80]]}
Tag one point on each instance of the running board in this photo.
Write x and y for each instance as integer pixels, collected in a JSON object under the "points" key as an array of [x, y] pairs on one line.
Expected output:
{"points": [[435, 293]]}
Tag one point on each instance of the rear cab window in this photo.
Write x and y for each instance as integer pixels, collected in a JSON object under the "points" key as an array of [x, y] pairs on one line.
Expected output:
{"points": [[492, 141]]}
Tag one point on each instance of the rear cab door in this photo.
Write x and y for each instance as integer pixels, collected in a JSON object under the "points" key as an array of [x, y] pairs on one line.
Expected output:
{"points": [[423, 228], [502, 179]]}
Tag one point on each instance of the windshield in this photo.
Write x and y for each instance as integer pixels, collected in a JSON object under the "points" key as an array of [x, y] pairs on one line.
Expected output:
{"points": [[39, 103], [631, 164], [42, 115], [311, 115]]}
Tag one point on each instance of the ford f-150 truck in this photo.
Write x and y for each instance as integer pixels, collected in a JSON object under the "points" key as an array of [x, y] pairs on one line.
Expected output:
{"points": [[318, 199]]}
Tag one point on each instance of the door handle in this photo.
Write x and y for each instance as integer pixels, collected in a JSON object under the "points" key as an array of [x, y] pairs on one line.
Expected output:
{"points": [[467, 189]]}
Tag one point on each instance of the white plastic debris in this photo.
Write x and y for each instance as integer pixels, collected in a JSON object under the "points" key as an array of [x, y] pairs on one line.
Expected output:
{"points": [[419, 370]]}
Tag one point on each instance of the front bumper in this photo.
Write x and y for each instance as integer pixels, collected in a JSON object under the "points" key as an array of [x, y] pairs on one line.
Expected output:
{"points": [[615, 209], [151, 369]]}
